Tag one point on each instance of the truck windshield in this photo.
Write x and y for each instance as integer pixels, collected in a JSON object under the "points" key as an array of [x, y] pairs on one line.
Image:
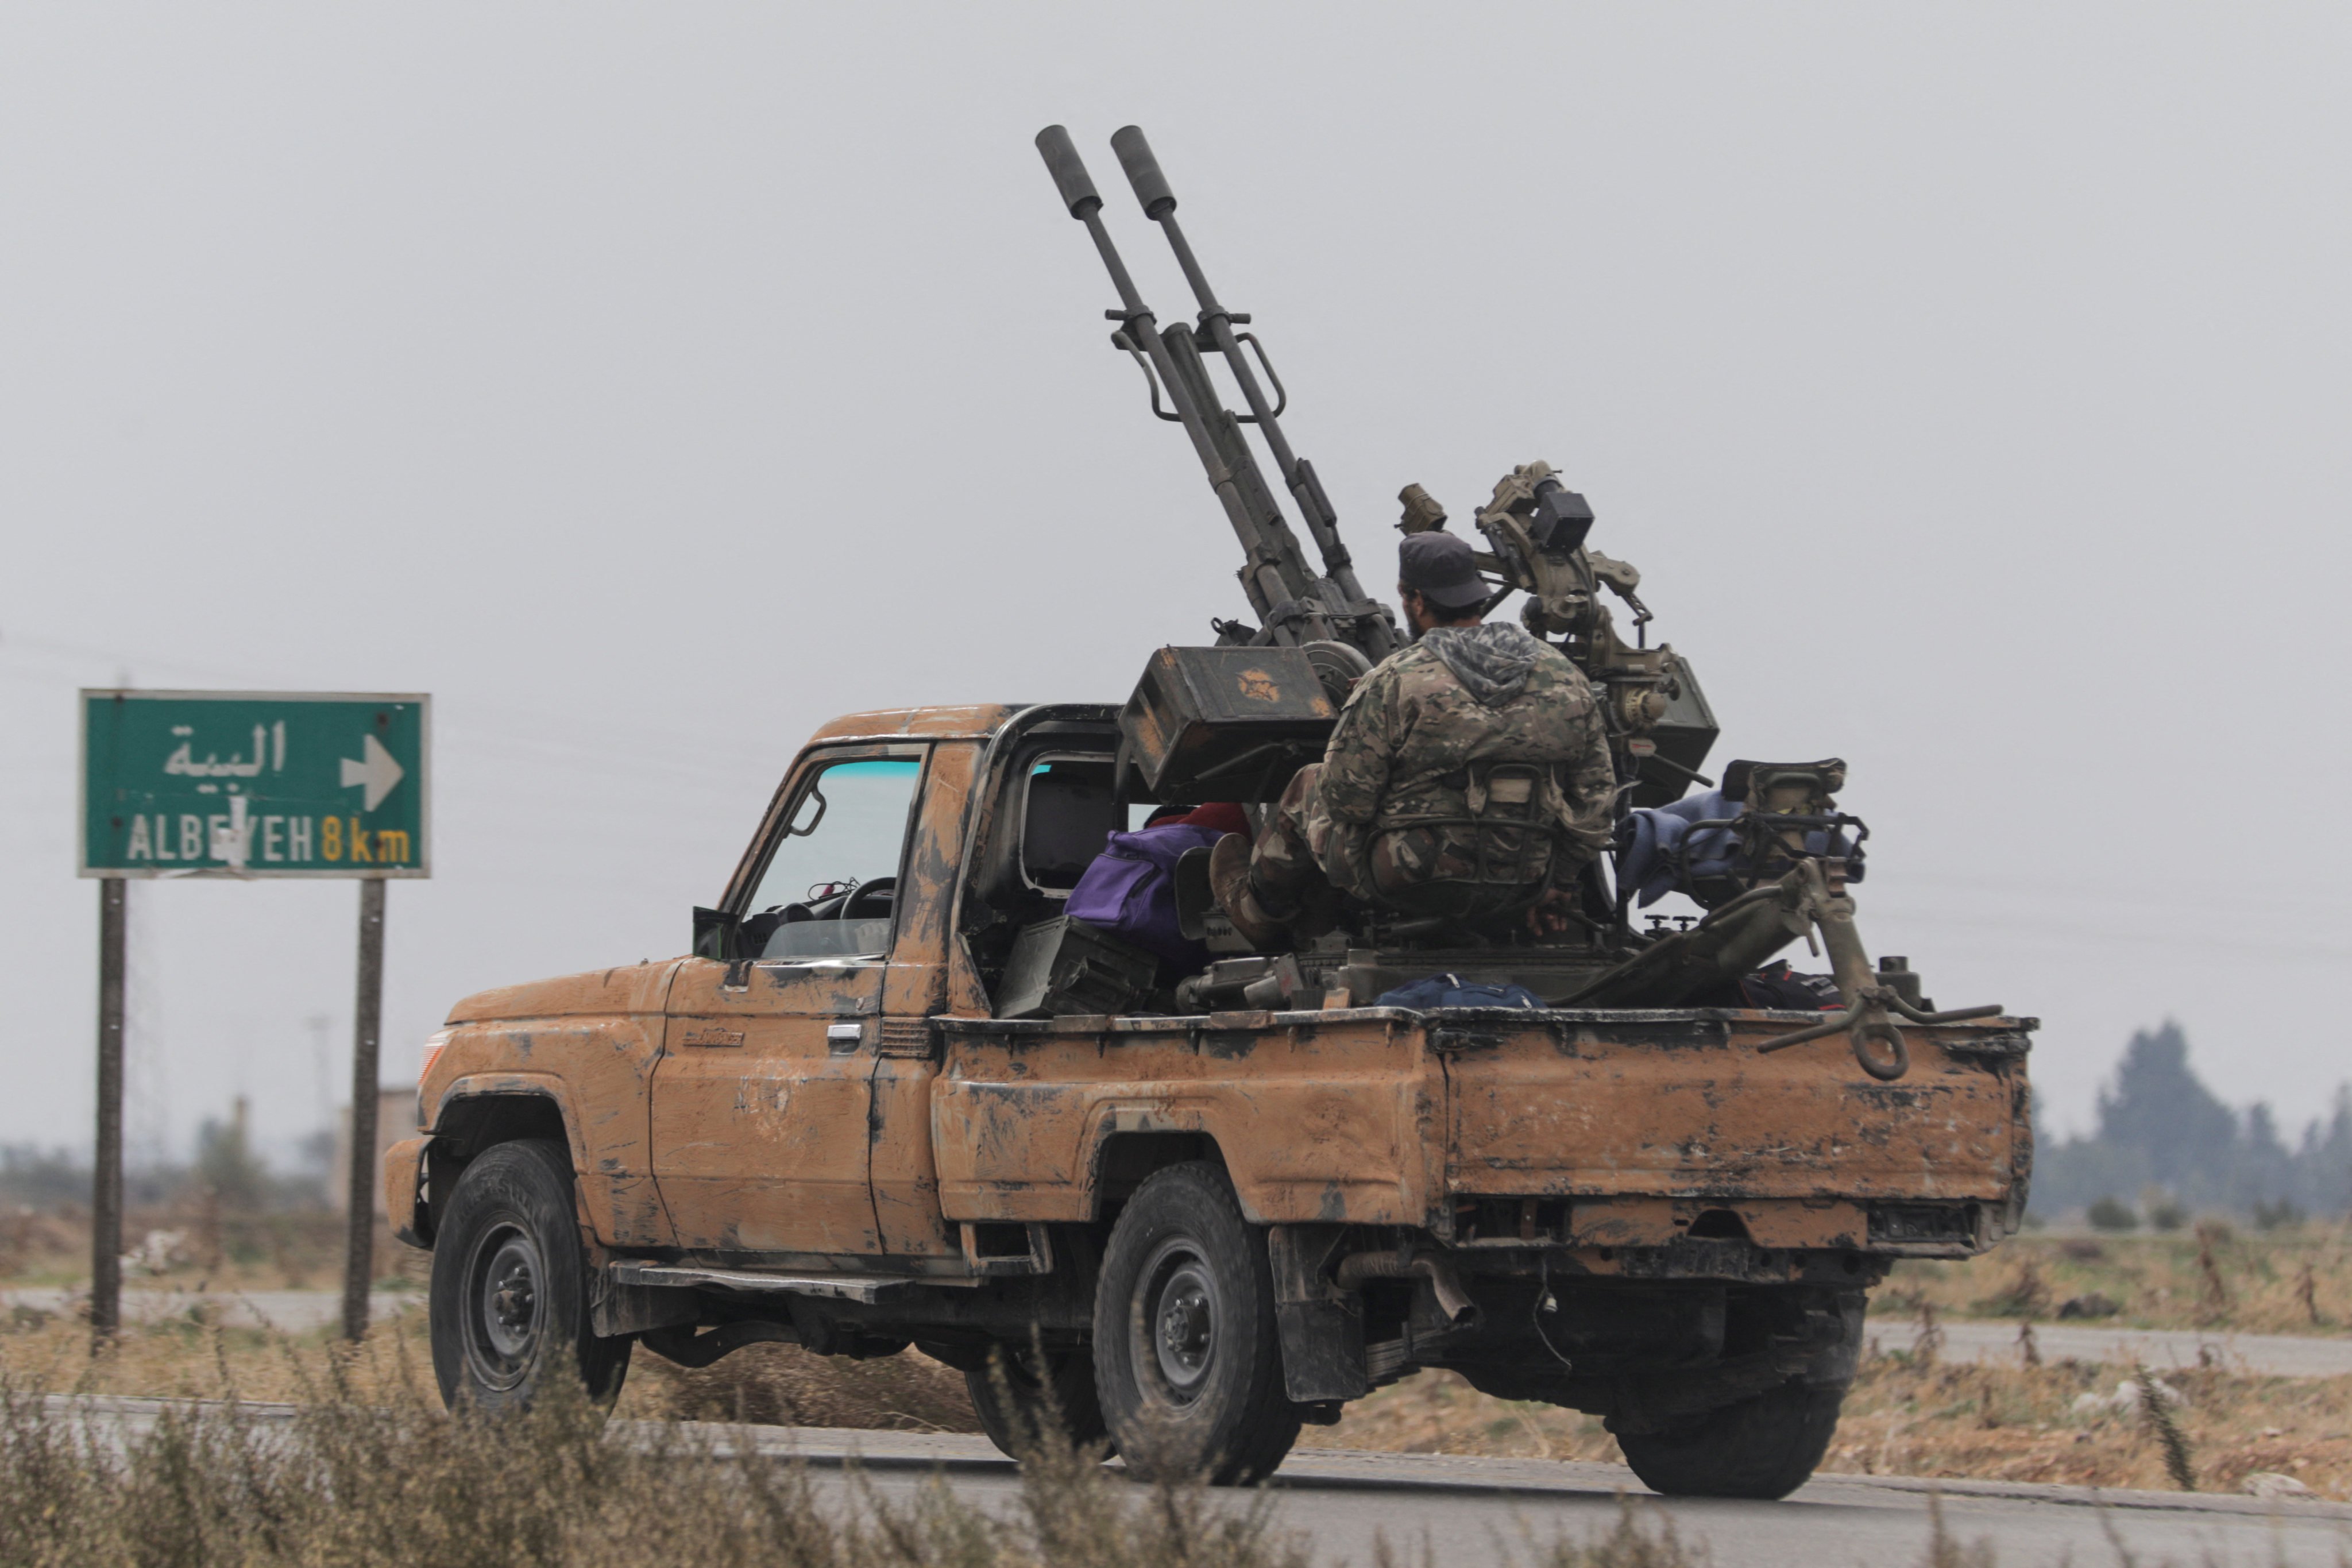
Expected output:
{"points": [[833, 878]]}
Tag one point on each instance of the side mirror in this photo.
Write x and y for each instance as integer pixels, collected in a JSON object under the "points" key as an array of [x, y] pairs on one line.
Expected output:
{"points": [[715, 935]]}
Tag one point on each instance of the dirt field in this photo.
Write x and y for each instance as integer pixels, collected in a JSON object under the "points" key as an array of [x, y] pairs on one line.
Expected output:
{"points": [[2288, 1282]]}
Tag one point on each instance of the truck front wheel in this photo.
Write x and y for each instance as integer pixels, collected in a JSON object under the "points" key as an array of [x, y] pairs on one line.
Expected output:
{"points": [[1187, 1360], [510, 1293], [1765, 1446]]}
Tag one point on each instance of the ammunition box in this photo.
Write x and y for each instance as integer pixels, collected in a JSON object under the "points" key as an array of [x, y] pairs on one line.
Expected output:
{"points": [[1064, 965], [1225, 724]]}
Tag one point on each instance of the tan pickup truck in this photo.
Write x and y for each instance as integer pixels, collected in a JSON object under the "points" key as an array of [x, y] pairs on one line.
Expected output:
{"points": [[1194, 1232]]}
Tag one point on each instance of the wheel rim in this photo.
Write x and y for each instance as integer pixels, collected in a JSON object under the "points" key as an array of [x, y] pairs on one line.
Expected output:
{"points": [[506, 1299], [1181, 1312]]}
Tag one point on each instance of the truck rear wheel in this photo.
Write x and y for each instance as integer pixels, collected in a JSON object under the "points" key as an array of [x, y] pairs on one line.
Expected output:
{"points": [[1035, 1388], [1765, 1446], [1187, 1360], [510, 1291]]}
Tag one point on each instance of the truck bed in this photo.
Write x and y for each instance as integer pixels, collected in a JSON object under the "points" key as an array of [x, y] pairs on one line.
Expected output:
{"points": [[1598, 1128]]}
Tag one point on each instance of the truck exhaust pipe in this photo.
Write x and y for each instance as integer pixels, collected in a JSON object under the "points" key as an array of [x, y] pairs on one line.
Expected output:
{"points": [[1461, 1311]]}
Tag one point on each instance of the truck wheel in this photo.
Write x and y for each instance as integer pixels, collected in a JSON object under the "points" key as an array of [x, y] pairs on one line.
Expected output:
{"points": [[1187, 1362], [1011, 1414], [1765, 1446], [510, 1293]]}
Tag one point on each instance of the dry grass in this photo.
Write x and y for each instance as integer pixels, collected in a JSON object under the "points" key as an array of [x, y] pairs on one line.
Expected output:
{"points": [[784, 1385], [354, 1482], [195, 1245], [2019, 1423], [2293, 1281], [371, 1472], [1999, 1422], [1993, 1422]]}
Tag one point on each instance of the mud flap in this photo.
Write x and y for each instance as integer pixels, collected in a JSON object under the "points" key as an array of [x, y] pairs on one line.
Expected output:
{"points": [[1321, 1330]]}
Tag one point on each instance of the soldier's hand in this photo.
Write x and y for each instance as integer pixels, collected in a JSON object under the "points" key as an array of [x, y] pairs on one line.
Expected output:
{"points": [[1549, 916]]}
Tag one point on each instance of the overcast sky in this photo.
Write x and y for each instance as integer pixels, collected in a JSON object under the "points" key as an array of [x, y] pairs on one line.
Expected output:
{"points": [[651, 383]]}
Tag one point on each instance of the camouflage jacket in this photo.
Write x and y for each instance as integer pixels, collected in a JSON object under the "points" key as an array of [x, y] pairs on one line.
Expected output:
{"points": [[1421, 725]]}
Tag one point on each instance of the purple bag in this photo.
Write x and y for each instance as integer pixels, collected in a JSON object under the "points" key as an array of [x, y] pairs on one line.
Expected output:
{"points": [[1129, 890]]}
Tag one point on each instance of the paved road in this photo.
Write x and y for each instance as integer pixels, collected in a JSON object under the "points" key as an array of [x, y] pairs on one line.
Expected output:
{"points": [[2275, 1355], [1474, 1510], [295, 1311]]}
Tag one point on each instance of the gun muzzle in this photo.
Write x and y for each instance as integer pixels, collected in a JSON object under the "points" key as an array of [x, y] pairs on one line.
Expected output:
{"points": [[1143, 172], [1062, 160]]}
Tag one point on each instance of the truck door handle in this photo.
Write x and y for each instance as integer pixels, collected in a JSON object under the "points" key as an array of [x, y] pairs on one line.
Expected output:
{"points": [[841, 1039]]}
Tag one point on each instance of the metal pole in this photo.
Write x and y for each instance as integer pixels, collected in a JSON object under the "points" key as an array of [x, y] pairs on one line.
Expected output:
{"points": [[359, 1250], [106, 1181]]}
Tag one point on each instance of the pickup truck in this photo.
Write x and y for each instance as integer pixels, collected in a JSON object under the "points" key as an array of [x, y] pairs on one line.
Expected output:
{"points": [[1183, 1235]]}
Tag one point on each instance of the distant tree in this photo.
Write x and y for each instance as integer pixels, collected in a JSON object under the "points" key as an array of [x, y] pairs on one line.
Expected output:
{"points": [[2162, 1133], [2111, 1213], [227, 1164], [2161, 1109], [39, 1178]]}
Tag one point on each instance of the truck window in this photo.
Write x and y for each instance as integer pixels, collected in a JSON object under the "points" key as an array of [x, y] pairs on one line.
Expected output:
{"points": [[831, 881], [1069, 810]]}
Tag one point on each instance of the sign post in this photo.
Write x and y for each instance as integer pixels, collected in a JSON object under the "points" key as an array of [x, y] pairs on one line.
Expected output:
{"points": [[367, 1025], [250, 785], [106, 1186]]}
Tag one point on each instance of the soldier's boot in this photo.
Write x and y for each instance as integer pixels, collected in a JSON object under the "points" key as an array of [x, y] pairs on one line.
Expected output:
{"points": [[1229, 879]]}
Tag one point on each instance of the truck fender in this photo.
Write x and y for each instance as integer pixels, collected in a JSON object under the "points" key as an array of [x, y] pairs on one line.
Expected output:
{"points": [[484, 1109]]}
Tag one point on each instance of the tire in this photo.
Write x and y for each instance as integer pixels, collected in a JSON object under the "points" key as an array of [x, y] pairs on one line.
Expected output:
{"points": [[1187, 1362], [510, 1291], [1012, 1410], [1765, 1446]]}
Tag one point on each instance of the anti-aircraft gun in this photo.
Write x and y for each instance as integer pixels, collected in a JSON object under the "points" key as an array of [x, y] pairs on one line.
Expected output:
{"points": [[1235, 721], [1661, 727]]}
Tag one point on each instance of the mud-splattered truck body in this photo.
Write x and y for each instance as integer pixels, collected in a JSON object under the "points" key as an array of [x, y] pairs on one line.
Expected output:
{"points": [[1227, 1222]]}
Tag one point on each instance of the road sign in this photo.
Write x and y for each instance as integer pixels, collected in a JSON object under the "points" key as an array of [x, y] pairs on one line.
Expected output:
{"points": [[255, 784]]}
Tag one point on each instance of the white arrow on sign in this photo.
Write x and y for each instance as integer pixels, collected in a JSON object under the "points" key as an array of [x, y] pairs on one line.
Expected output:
{"points": [[378, 769]]}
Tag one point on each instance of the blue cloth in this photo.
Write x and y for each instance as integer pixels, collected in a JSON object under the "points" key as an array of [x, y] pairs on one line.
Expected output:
{"points": [[1453, 991], [1663, 851], [1662, 854], [1129, 890]]}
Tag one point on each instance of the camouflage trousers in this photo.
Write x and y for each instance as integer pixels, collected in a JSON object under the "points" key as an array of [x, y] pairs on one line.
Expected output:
{"points": [[1302, 857]]}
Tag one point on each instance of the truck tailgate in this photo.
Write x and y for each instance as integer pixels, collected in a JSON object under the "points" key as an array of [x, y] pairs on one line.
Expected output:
{"points": [[1680, 1104]]}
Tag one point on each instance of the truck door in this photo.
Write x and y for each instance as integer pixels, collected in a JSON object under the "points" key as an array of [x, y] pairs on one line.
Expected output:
{"points": [[760, 1103]]}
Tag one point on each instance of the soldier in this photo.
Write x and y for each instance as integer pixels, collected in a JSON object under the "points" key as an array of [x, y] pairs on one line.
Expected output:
{"points": [[1468, 776]]}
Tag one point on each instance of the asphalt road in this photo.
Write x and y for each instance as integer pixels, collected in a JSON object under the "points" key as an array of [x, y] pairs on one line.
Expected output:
{"points": [[1473, 1512], [2274, 1355], [294, 1311]]}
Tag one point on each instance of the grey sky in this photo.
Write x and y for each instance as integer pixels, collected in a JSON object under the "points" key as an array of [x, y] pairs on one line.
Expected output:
{"points": [[650, 383]]}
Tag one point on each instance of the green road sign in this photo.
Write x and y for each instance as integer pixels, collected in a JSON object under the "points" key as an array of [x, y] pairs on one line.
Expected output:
{"points": [[255, 784]]}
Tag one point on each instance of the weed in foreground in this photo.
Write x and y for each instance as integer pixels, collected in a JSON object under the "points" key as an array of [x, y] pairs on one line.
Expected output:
{"points": [[2157, 1410], [347, 1482]]}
